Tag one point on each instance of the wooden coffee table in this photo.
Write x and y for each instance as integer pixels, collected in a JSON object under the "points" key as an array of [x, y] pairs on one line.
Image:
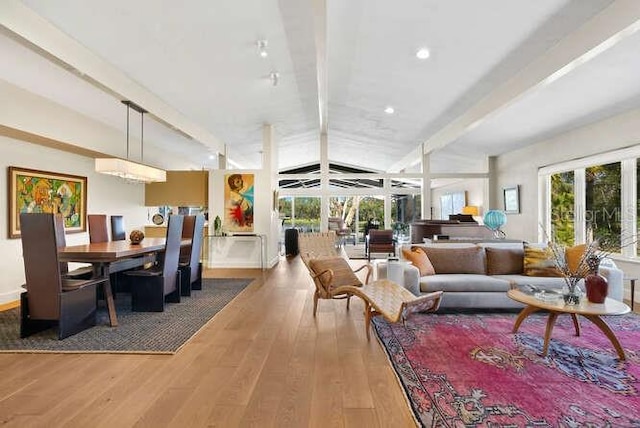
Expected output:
{"points": [[591, 311]]}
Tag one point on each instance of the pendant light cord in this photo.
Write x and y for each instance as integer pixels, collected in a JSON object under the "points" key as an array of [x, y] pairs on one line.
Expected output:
{"points": [[128, 131]]}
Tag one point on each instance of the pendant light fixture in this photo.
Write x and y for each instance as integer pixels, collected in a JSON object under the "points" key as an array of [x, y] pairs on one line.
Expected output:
{"points": [[124, 168]]}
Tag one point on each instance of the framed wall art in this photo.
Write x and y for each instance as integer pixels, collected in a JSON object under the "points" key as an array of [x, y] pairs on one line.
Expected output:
{"points": [[511, 200], [33, 191], [238, 202]]}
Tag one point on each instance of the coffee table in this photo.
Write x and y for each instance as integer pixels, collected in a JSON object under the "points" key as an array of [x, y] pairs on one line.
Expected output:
{"points": [[591, 311]]}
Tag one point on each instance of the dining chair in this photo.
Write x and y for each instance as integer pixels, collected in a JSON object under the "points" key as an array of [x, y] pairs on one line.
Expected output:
{"points": [[151, 287], [85, 272], [97, 228], [190, 265], [51, 299], [118, 231]]}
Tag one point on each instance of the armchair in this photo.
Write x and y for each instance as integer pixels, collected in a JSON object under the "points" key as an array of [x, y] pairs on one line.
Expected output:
{"points": [[341, 230], [380, 241]]}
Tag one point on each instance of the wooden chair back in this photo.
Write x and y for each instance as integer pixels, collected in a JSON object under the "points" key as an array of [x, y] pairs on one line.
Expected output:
{"points": [[98, 231], [172, 253], [118, 231], [39, 236], [196, 226]]}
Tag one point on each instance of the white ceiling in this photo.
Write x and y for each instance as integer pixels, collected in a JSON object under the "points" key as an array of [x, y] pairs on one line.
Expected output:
{"points": [[195, 64]]}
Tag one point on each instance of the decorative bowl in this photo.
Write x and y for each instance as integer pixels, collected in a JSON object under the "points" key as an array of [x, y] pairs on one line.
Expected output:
{"points": [[136, 236]]}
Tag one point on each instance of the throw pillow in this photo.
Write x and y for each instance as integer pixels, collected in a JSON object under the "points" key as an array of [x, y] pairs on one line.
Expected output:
{"points": [[504, 261], [538, 261], [419, 259], [342, 272], [574, 255], [457, 260]]}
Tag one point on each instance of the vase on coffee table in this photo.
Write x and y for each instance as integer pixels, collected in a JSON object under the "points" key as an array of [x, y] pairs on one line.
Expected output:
{"points": [[595, 284]]}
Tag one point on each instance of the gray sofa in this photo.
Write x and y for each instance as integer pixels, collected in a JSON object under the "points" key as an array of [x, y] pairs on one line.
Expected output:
{"points": [[479, 275]]}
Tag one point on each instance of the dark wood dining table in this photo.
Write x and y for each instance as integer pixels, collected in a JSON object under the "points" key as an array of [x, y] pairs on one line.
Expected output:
{"points": [[113, 256]]}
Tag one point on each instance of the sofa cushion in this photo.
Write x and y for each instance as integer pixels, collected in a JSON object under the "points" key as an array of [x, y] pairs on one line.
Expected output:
{"points": [[538, 261], [342, 272], [573, 256], [419, 259], [463, 283], [504, 261], [469, 260]]}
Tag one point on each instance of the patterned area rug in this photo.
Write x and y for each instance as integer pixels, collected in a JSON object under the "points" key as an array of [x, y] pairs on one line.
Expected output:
{"points": [[470, 370], [137, 332]]}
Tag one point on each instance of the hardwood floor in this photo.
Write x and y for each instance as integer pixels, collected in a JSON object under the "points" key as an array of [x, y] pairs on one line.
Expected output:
{"points": [[263, 361]]}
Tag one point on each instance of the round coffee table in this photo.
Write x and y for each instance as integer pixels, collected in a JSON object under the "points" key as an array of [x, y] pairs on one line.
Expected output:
{"points": [[591, 311]]}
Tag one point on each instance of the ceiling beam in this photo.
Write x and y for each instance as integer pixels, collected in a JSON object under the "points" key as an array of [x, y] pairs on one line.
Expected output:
{"points": [[38, 34], [320, 32], [619, 20]]}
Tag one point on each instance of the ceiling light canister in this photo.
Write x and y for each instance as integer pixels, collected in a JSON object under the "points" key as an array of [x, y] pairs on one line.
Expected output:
{"points": [[262, 48], [423, 53], [274, 76], [389, 110]]}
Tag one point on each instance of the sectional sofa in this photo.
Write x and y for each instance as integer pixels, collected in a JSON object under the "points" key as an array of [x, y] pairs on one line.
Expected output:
{"points": [[479, 275]]}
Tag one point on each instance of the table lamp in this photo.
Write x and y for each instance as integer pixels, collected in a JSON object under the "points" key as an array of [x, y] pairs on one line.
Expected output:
{"points": [[494, 220]]}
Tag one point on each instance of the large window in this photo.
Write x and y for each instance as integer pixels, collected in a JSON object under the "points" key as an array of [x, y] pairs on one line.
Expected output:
{"points": [[593, 198], [603, 202], [562, 208]]}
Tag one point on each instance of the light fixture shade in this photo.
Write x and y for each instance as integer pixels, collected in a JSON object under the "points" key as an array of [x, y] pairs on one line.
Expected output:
{"points": [[495, 219], [471, 210], [130, 170]]}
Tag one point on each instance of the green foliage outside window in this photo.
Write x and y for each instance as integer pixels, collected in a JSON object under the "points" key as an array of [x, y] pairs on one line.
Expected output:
{"points": [[562, 205]]}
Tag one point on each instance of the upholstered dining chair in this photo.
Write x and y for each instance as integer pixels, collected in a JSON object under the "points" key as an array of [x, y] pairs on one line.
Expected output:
{"points": [[51, 299], [190, 265], [85, 272], [151, 287], [118, 231], [98, 231]]}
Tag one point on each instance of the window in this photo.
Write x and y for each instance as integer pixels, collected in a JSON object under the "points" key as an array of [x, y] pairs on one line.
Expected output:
{"points": [[593, 198], [603, 201], [562, 208]]}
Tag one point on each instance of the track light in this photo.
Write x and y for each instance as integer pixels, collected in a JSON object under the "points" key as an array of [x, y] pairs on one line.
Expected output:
{"points": [[262, 48], [274, 76]]}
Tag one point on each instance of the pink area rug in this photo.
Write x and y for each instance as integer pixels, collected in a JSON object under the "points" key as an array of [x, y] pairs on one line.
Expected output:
{"points": [[470, 370]]}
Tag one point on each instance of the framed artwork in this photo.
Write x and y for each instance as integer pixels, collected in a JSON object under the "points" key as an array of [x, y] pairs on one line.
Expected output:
{"points": [[511, 200], [33, 191], [238, 202]]}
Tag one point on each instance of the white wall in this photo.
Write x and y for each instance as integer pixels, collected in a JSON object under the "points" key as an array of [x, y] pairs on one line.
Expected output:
{"points": [[105, 195], [244, 252], [521, 167], [475, 189]]}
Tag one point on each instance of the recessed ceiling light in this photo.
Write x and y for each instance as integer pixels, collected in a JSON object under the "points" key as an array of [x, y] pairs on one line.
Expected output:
{"points": [[211, 157], [423, 53], [389, 110]]}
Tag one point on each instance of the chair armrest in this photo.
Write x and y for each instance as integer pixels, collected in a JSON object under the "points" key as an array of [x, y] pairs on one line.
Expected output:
{"points": [[320, 284], [369, 272]]}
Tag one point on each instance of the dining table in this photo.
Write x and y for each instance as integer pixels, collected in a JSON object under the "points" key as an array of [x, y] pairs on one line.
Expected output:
{"points": [[114, 256]]}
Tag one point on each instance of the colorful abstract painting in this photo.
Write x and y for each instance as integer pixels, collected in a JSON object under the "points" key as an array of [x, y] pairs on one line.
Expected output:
{"points": [[238, 197], [32, 191]]}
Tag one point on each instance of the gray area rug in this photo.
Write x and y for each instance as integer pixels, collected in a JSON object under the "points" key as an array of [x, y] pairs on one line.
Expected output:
{"points": [[137, 332]]}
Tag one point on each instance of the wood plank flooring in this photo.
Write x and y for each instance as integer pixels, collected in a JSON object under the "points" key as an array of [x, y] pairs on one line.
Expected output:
{"points": [[263, 361]]}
